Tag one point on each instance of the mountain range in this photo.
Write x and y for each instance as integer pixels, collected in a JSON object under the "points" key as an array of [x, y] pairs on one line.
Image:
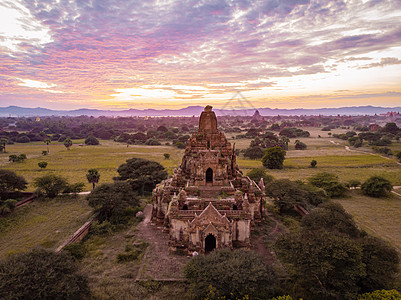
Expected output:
{"points": [[16, 111]]}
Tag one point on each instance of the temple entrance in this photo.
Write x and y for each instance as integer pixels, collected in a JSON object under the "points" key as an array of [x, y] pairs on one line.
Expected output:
{"points": [[210, 243], [209, 175]]}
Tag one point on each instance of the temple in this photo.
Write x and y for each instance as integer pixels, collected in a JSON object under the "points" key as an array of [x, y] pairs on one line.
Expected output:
{"points": [[208, 203]]}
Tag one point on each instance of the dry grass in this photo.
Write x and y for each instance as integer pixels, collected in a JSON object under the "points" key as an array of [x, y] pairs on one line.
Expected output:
{"points": [[73, 164], [46, 223], [380, 217]]}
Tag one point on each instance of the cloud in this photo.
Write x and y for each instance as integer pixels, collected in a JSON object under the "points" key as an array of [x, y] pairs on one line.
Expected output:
{"points": [[109, 49]]}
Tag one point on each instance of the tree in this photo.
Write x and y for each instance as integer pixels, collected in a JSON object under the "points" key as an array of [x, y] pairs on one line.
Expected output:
{"points": [[41, 274], [166, 155], [254, 152], [285, 194], [11, 182], [258, 173], [3, 143], [67, 143], [91, 140], [376, 186], [44, 152], [143, 174], [93, 177], [323, 265], [274, 158], [331, 216], [329, 182], [381, 260], [111, 201], [313, 163], [47, 141], [42, 164], [233, 274], [50, 185]]}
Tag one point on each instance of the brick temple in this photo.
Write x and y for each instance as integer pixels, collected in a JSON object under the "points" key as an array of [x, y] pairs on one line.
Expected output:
{"points": [[208, 203]]}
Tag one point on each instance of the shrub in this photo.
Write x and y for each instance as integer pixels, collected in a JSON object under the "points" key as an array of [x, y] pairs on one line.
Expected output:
{"points": [[41, 274], [254, 152], [329, 182], [42, 164], [44, 152], [313, 163], [232, 274], [381, 295], [50, 185], [166, 156], [300, 145], [91, 140], [258, 173], [152, 142], [376, 186], [23, 139]]}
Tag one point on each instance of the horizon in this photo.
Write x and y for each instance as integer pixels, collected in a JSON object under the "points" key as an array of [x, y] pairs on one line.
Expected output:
{"points": [[117, 55]]}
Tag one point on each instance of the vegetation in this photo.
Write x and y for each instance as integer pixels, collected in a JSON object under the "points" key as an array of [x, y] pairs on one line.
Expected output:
{"points": [[41, 274], [93, 177], [313, 163], [10, 182], [258, 173], [329, 182], [376, 186], [17, 158], [274, 158], [67, 143], [232, 273], [91, 140], [114, 202], [50, 185], [142, 174], [42, 164]]}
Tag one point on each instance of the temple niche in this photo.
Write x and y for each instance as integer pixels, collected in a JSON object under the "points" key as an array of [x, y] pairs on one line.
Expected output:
{"points": [[208, 203]]}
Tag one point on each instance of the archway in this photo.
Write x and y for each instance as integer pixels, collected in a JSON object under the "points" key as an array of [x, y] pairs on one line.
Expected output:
{"points": [[209, 175], [210, 243], [185, 207]]}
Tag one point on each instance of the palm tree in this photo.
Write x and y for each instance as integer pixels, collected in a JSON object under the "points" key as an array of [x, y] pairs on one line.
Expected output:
{"points": [[47, 141], [93, 177], [3, 143]]}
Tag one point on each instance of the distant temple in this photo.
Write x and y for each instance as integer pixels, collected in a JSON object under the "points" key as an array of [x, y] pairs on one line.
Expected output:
{"points": [[208, 203]]}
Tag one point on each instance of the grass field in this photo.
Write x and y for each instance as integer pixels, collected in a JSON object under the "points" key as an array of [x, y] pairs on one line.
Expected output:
{"points": [[378, 216], [73, 164], [46, 223]]}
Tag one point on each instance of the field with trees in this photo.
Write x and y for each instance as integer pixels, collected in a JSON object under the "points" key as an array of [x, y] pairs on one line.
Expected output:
{"points": [[321, 165]]}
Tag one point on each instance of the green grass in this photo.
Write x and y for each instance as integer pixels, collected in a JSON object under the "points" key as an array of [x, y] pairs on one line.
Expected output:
{"points": [[73, 164], [380, 217], [46, 223]]}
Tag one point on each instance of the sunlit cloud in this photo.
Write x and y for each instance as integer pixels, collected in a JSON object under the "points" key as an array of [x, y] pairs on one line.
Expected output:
{"points": [[112, 54]]}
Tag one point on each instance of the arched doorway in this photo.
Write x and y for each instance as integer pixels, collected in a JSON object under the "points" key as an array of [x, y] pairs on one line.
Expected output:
{"points": [[209, 175], [210, 243], [185, 207]]}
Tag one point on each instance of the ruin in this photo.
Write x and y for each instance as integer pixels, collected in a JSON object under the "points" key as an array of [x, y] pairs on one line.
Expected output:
{"points": [[208, 203]]}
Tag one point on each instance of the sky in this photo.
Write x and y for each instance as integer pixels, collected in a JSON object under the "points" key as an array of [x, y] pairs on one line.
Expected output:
{"points": [[121, 54]]}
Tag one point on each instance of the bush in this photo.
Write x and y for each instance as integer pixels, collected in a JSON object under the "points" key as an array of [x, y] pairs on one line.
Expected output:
{"points": [[152, 142], [381, 295], [44, 152], [376, 186], [232, 273], [91, 140], [42, 164], [41, 274], [50, 185], [77, 250], [166, 155], [313, 163], [7, 206], [329, 182], [300, 145]]}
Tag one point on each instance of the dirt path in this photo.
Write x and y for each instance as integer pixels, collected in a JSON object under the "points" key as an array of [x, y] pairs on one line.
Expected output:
{"points": [[158, 263]]}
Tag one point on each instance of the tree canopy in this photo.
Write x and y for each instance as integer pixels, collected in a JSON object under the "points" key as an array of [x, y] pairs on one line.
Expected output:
{"points": [[258, 173], [143, 174], [50, 185], [329, 182], [10, 182], [376, 186], [274, 158], [111, 201], [232, 273], [41, 274]]}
